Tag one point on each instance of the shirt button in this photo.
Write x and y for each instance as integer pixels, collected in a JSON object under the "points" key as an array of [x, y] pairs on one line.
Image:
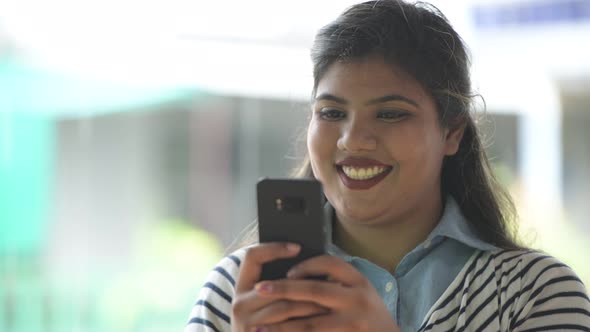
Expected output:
{"points": [[389, 286]]}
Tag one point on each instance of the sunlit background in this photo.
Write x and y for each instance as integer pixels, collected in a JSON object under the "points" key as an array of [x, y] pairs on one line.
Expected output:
{"points": [[132, 134]]}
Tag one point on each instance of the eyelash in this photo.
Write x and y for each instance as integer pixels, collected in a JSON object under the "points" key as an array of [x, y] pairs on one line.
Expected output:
{"points": [[331, 114], [393, 115]]}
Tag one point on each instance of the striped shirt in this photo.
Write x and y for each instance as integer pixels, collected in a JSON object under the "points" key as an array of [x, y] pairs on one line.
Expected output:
{"points": [[497, 290]]}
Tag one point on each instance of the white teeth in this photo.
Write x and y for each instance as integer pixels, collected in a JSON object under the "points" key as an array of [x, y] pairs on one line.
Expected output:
{"points": [[361, 173]]}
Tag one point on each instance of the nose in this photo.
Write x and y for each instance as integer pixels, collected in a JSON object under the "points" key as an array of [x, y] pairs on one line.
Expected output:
{"points": [[357, 136]]}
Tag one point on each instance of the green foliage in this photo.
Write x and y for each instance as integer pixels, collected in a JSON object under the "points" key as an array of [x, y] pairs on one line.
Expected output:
{"points": [[170, 262]]}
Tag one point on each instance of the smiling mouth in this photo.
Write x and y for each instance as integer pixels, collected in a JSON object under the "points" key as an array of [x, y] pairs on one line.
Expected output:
{"points": [[364, 173]]}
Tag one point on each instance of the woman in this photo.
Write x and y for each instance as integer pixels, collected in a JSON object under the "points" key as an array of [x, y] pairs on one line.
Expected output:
{"points": [[421, 235]]}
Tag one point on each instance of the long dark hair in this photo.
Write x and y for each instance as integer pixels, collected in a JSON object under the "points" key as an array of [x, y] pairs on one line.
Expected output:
{"points": [[419, 39]]}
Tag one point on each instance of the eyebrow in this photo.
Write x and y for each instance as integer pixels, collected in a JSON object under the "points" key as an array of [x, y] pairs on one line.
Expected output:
{"points": [[379, 100]]}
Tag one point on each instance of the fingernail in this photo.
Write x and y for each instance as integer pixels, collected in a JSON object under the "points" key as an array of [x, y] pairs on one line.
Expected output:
{"points": [[260, 329], [292, 247], [263, 287]]}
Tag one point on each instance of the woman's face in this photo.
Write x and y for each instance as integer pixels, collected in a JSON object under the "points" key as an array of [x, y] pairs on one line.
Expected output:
{"points": [[375, 142]]}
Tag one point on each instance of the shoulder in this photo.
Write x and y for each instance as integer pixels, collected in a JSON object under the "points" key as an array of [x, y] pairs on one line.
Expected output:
{"points": [[537, 289], [528, 265], [513, 290], [527, 270], [212, 310]]}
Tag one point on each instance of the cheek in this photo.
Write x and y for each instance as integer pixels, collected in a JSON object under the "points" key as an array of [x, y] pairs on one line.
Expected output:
{"points": [[313, 145], [312, 138], [320, 145], [318, 137], [415, 145], [404, 143]]}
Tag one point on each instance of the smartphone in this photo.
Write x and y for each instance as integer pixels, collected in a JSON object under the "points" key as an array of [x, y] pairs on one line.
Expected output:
{"points": [[291, 210]]}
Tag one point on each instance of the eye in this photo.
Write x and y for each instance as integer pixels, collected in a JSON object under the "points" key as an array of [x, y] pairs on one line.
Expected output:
{"points": [[331, 114], [392, 115]]}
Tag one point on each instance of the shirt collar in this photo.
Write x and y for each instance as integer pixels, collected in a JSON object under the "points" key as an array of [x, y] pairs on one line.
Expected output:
{"points": [[452, 225]]}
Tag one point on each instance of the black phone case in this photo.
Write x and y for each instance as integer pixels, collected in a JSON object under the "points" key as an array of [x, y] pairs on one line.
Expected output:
{"points": [[291, 210]]}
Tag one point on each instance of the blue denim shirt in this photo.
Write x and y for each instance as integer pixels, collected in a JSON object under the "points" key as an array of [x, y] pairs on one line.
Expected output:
{"points": [[424, 273]]}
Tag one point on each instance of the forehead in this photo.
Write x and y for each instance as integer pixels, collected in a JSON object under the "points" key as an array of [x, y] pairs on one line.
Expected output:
{"points": [[369, 77]]}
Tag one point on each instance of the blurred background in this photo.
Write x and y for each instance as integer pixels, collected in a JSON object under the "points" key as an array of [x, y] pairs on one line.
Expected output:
{"points": [[132, 134]]}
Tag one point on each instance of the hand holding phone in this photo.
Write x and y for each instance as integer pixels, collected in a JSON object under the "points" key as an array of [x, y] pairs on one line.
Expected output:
{"points": [[291, 210]]}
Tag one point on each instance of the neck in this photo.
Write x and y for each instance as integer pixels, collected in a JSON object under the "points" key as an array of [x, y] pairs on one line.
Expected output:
{"points": [[385, 243]]}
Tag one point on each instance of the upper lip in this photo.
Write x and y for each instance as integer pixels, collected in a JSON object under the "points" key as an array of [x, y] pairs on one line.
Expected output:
{"points": [[360, 162]]}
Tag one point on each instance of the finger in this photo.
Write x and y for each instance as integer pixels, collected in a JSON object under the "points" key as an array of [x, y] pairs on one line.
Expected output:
{"points": [[325, 293], [282, 310], [256, 256], [335, 268], [324, 323], [245, 303]]}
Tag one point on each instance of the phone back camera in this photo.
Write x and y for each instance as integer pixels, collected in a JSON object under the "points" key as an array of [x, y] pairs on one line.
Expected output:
{"points": [[294, 205]]}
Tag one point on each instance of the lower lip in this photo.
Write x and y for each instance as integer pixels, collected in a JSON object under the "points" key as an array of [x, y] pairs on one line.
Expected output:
{"points": [[361, 184]]}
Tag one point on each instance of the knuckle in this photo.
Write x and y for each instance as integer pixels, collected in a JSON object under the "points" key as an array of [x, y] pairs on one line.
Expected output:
{"points": [[307, 326], [284, 305], [238, 305], [251, 254], [317, 288]]}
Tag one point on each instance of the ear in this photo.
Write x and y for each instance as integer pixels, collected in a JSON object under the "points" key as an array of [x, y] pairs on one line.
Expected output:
{"points": [[453, 137]]}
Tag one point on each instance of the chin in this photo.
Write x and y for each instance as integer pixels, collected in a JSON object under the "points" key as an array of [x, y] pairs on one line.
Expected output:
{"points": [[360, 213]]}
